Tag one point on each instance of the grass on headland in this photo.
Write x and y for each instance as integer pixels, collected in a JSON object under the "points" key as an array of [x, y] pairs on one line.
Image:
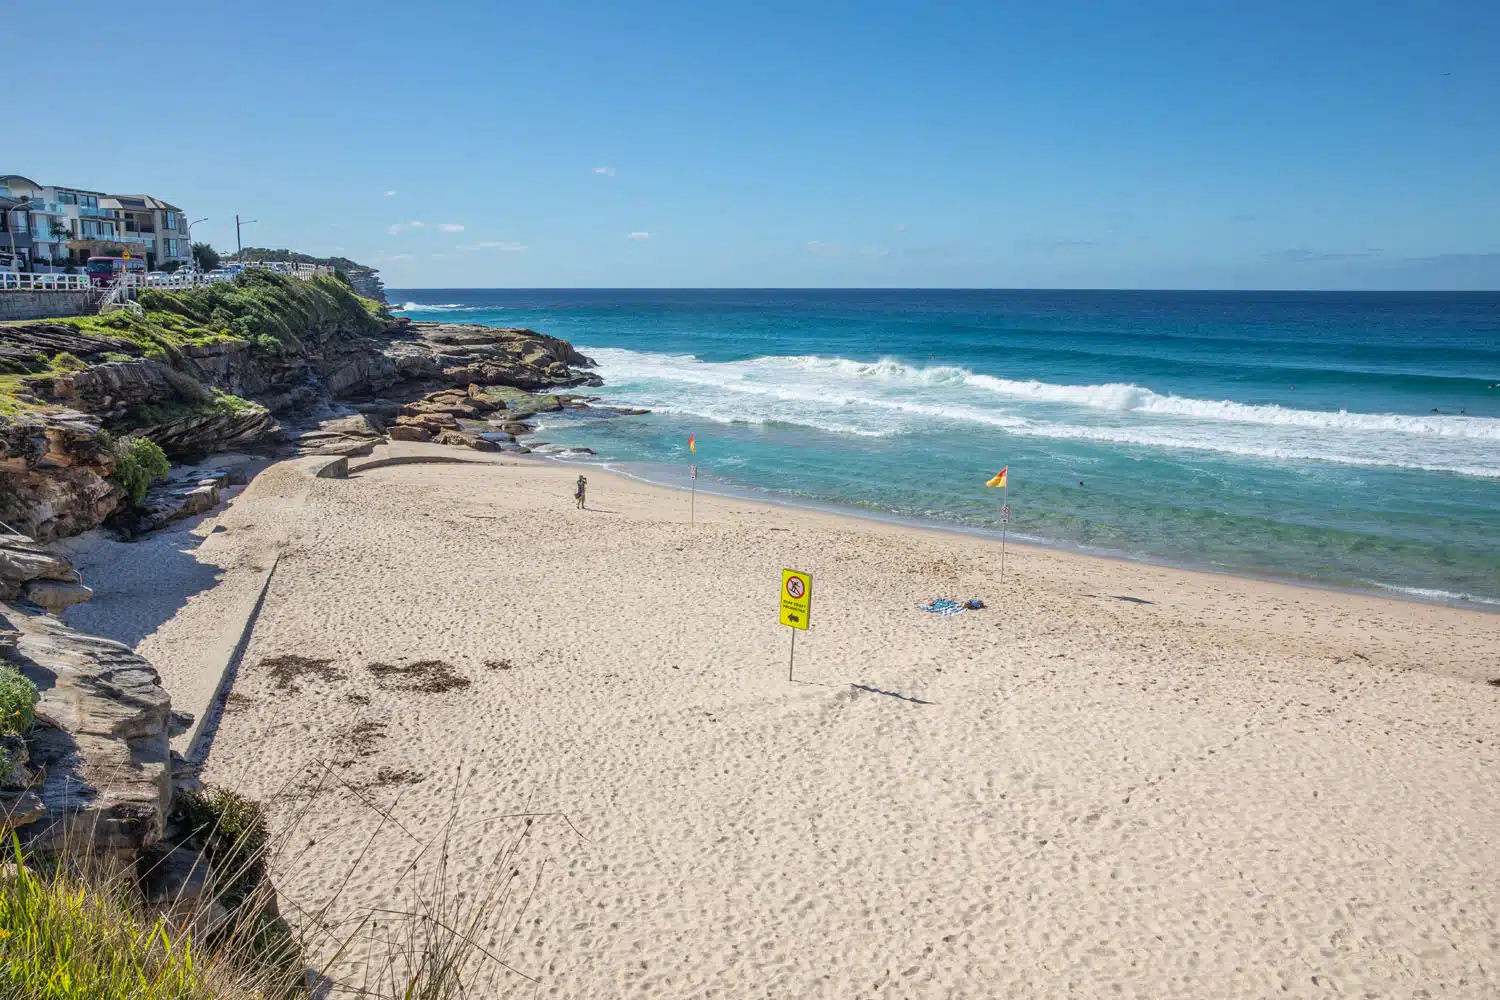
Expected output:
{"points": [[274, 313]]}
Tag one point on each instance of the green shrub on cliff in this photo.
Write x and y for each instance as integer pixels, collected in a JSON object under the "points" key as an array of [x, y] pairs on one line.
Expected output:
{"points": [[269, 309], [17, 701], [139, 461]]}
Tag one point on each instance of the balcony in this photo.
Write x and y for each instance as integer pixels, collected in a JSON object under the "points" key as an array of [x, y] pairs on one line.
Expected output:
{"points": [[85, 212], [130, 238], [43, 207]]}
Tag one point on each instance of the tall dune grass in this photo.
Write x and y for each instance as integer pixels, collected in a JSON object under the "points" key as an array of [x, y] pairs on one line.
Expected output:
{"points": [[78, 928]]}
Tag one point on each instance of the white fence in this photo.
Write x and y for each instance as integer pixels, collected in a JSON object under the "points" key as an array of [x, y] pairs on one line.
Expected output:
{"points": [[179, 280], [295, 270], [10, 281]]}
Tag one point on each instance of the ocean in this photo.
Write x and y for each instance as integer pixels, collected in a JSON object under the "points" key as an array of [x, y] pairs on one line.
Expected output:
{"points": [[1346, 439]]}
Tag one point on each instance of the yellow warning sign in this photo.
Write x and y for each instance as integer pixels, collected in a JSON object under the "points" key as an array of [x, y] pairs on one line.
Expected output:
{"points": [[796, 599]]}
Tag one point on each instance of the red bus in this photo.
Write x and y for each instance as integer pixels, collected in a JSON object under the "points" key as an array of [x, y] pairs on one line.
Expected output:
{"points": [[104, 270]]}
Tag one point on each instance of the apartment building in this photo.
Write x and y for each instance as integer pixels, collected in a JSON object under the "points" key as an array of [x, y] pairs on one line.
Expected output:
{"points": [[160, 227], [52, 226]]}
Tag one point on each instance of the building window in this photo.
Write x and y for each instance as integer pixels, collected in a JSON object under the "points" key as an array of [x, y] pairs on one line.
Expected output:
{"points": [[171, 248], [89, 201], [171, 221], [67, 197]]}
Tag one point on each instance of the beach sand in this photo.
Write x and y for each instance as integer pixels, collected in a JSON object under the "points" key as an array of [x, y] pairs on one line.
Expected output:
{"points": [[1116, 780]]}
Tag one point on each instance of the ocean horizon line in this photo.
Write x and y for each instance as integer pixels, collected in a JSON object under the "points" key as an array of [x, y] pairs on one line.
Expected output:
{"points": [[868, 289]]}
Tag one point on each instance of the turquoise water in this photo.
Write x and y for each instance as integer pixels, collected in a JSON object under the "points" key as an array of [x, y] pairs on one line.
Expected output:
{"points": [[1345, 438]]}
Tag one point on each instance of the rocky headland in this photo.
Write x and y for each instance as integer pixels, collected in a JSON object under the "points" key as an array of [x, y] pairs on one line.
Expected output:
{"points": [[265, 364]]}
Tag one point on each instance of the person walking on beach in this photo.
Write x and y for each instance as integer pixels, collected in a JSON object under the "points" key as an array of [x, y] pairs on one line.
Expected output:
{"points": [[578, 490]]}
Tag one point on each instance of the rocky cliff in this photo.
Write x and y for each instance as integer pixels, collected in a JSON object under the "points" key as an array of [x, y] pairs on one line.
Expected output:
{"points": [[222, 368]]}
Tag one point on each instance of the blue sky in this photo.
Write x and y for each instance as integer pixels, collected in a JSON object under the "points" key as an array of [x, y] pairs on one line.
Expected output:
{"points": [[1107, 144]]}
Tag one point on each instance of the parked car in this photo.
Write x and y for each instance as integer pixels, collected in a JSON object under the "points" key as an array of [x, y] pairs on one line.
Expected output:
{"points": [[157, 277], [220, 274]]}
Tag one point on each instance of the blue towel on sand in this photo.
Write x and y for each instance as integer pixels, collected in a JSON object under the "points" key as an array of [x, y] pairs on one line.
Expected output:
{"points": [[943, 606]]}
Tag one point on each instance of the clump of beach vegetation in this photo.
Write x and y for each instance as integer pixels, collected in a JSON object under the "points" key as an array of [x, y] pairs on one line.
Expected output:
{"points": [[139, 462]]}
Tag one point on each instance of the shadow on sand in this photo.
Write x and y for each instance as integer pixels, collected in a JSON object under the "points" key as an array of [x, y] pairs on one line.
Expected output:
{"points": [[140, 585], [890, 694]]}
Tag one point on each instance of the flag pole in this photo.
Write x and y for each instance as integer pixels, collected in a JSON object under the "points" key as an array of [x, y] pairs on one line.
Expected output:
{"points": [[1004, 502], [692, 479]]}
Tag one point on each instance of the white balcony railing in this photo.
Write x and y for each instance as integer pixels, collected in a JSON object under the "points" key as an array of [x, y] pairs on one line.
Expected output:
{"points": [[131, 238]]}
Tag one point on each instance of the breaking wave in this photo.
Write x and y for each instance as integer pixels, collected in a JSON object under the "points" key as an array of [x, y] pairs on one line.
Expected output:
{"points": [[439, 307], [887, 398]]}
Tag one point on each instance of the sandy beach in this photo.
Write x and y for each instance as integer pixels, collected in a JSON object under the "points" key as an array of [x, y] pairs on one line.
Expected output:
{"points": [[1115, 780]]}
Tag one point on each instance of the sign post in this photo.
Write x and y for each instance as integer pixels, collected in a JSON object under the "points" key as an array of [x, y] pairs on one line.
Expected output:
{"points": [[796, 608]]}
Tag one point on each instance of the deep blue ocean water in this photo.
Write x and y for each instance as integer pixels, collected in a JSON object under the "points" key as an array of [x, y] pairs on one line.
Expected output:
{"points": [[1351, 439]]}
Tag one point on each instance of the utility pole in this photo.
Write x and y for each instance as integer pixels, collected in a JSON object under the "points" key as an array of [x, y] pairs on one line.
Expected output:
{"points": [[239, 247]]}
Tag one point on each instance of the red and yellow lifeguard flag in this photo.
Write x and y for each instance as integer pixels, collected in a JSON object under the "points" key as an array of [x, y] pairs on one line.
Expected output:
{"points": [[692, 442], [999, 479]]}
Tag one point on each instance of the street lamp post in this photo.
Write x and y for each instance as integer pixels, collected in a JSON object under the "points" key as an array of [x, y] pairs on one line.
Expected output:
{"points": [[239, 247], [191, 259]]}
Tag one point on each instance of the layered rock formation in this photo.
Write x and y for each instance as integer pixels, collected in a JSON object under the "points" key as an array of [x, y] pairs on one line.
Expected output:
{"points": [[101, 743], [54, 474], [220, 391], [96, 768], [510, 356]]}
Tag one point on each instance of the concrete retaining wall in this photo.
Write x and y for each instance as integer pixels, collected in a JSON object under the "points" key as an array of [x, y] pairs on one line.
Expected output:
{"points": [[46, 305]]}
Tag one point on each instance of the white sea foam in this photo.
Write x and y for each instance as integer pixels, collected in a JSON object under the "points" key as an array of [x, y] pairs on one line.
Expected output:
{"points": [[1125, 397], [887, 398], [1428, 594], [438, 307]]}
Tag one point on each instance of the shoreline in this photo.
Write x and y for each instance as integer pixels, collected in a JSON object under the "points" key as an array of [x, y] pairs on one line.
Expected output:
{"points": [[755, 495]]}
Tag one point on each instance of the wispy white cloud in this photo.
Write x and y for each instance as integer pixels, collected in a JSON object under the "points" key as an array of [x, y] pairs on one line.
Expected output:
{"points": [[638, 236], [873, 252], [605, 171], [900, 227], [402, 256], [390, 194], [396, 228], [450, 227], [439, 256]]}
